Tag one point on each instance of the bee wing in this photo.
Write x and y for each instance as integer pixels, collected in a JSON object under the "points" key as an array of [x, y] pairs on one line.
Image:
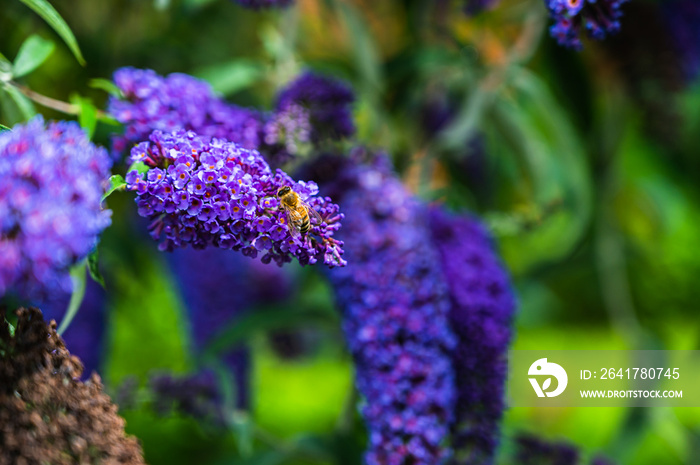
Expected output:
{"points": [[290, 216], [313, 213]]}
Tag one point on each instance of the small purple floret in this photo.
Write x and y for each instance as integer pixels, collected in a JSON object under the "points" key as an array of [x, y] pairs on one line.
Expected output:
{"points": [[597, 18]]}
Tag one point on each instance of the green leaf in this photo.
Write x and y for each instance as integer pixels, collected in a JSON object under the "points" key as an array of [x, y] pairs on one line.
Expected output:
{"points": [[5, 69], [196, 4], [530, 126], [9, 111], [365, 49], [116, 183], [106, 85], [4, 128], [161, 4], [108, 119], [11, 328], [33, 52], [139, 166], [242, 426], [88, 114], [94, 269], [51, 16], [148, 324], [23, 104], [79, 278], [466, 122], [238, 421], [233, 76]]}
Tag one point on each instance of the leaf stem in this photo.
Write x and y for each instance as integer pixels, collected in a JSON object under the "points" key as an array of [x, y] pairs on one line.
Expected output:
{"points": [[49, 102]]}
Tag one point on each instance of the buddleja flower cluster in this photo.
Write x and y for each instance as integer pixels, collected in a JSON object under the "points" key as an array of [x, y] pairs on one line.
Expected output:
{"points": [[204, 192], [395, 316], [286, 133], [481, 316], [304, 114], [151, 102], [597, 18], [328, 102], [50, 207], [47, 415]]}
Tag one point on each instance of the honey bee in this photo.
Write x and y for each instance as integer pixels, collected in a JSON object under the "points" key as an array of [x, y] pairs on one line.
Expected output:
{"points": [[298, 211]]}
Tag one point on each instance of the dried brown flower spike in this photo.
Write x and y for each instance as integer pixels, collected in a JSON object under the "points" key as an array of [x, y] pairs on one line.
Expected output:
{"points": [[47, 415]]}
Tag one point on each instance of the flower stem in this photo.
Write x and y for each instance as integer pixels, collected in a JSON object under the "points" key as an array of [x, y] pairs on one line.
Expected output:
{"points": [[49, 102]]}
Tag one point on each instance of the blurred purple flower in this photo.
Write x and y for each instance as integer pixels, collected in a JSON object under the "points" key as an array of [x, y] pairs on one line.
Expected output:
{"points": [[328, 102], [261, 4], [601, 460], [531, 450], [50, 207], [286, 132], [481, 317], [395, 317], [197, 395], [231, 201], [215, 299], [437, 111], [474, 7], [597, 18], [683, 17], [178, 101]]}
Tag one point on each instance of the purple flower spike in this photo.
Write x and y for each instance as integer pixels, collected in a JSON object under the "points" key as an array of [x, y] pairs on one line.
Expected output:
{"points": [[481, 316], [532, 450], [328, 102], [286, 133], [474, 7], [178, 101], [50, 207], [263, 4], [395, 318], [597, 18], [683, 17], [197, 395], [249, 186]]}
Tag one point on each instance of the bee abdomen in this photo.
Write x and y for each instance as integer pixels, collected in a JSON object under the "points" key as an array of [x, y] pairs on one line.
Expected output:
{"points": [[305, 226]]}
